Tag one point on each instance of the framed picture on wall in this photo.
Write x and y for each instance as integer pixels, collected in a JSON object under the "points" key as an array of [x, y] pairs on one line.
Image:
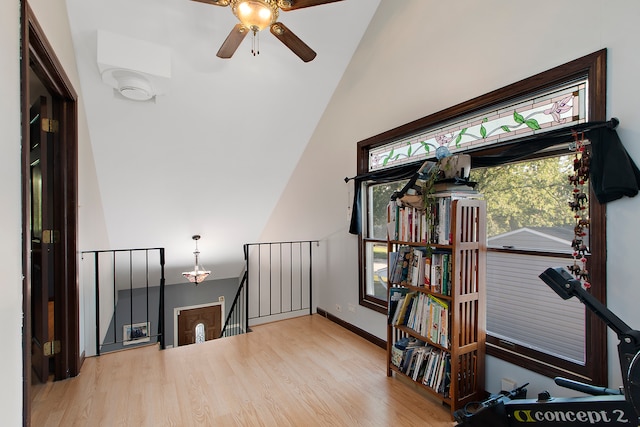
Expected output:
{"points": [[136, 333]]}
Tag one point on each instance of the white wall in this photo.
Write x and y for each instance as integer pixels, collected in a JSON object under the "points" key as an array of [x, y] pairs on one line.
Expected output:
{"points": [[10, 244], [419, 57]]}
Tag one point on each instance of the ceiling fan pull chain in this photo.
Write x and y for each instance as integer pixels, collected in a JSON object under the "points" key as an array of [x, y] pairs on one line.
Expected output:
{"points": [[255, 45]]}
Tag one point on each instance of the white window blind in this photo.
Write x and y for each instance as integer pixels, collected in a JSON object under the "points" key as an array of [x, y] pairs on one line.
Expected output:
{"points": [[541, 320]]}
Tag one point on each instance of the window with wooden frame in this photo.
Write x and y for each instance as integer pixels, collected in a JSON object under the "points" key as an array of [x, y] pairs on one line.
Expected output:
{"points": [[499, 124]]}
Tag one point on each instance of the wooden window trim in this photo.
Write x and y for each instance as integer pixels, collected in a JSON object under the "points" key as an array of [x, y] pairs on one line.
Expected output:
{"points": [[593, 66]]}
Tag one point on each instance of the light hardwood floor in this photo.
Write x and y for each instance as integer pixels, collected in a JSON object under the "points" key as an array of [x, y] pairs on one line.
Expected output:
{"points": [[306, 371]]}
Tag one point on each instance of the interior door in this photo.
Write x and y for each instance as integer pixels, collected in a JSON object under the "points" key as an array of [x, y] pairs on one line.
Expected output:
{"points": [[199, 324], [42, 74], [42, 236]]}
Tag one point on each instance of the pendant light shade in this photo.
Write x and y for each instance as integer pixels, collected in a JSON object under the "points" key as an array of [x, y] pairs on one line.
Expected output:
{"points": [[198, 274]]}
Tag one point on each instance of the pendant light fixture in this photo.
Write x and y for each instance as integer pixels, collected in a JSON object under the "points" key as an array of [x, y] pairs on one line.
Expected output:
{"points": [[199, 273]]}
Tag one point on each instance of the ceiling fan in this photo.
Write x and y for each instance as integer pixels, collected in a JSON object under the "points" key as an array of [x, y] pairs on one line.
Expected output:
{"points": [[256, 15]]}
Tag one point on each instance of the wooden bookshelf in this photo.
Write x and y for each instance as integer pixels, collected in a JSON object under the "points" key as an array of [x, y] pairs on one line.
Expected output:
{"points": [[463, 321]]}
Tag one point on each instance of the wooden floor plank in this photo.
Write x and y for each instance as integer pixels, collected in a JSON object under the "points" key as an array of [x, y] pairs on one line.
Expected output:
{"points": [[303, 371]]}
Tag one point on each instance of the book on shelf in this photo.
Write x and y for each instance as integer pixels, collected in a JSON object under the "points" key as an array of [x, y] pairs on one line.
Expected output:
{"points": [[417, 267], [393, 211], [405, 263], [396, 356], [397, 266], [392, 262], [425, 314], [446, 380], [409, 267], [430, 224], [406, 342], [446, 274], [416, 312], [440, 276], [406, 346], [441, 213], [438, 327], [434, 368], [418, 373], [414, 362], [396, 314], [396, 296], [409, 306], [403, 309], [427, 272], [406, 359], [437, 374], [442, 367], [436, 272]]}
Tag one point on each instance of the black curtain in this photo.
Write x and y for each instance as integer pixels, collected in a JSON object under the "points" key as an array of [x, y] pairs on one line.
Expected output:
{"points": [[613, 173], [382, 176]]}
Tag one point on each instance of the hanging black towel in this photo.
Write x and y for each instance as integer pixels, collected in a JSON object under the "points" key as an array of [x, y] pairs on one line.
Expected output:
{"points": [[613, 172]]}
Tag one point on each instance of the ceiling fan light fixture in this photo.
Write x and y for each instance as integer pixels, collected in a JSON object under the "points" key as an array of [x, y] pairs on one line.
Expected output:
{"points": [[256, 15]]}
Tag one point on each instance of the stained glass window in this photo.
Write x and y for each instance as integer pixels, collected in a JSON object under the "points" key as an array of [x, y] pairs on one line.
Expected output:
{"points": [[551, 110]]}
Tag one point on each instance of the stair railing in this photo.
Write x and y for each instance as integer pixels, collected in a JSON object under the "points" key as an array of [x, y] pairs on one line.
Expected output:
{"points": [[277, 284], [130, 272], [237, 321]]}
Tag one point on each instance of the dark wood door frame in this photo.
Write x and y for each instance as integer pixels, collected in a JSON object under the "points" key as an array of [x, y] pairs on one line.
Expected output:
{"points": [[38, 57]]}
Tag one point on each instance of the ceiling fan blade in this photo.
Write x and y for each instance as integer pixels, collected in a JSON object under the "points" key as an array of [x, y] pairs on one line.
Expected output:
{"points": [[215, 2], [287, 5], [292, 41], [232, 41]]}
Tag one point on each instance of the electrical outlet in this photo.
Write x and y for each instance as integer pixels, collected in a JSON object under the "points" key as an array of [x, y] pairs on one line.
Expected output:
{"points": [[508, 384], [338, 308], [352, 308]]}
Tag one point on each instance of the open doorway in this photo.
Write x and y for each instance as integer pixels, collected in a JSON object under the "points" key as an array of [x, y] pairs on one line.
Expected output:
{"points": [[49, 214]]}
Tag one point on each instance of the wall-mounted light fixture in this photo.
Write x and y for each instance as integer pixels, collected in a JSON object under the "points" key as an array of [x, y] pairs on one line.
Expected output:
{"points": [[199, 273], [137, 69]]}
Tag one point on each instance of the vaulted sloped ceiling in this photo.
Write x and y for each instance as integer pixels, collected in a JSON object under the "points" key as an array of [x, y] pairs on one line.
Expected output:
{"points": [[212, 155]]}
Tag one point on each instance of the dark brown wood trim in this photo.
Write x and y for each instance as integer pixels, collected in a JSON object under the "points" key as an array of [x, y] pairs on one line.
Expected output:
{"points": [[366, 300], [597, 264], [81, 360], [39, 57], [44, 61], [360, 332], [541, 81]]}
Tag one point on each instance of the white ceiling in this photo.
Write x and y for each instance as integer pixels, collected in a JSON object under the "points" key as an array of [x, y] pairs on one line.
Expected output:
{"points": [[213, 154]]}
